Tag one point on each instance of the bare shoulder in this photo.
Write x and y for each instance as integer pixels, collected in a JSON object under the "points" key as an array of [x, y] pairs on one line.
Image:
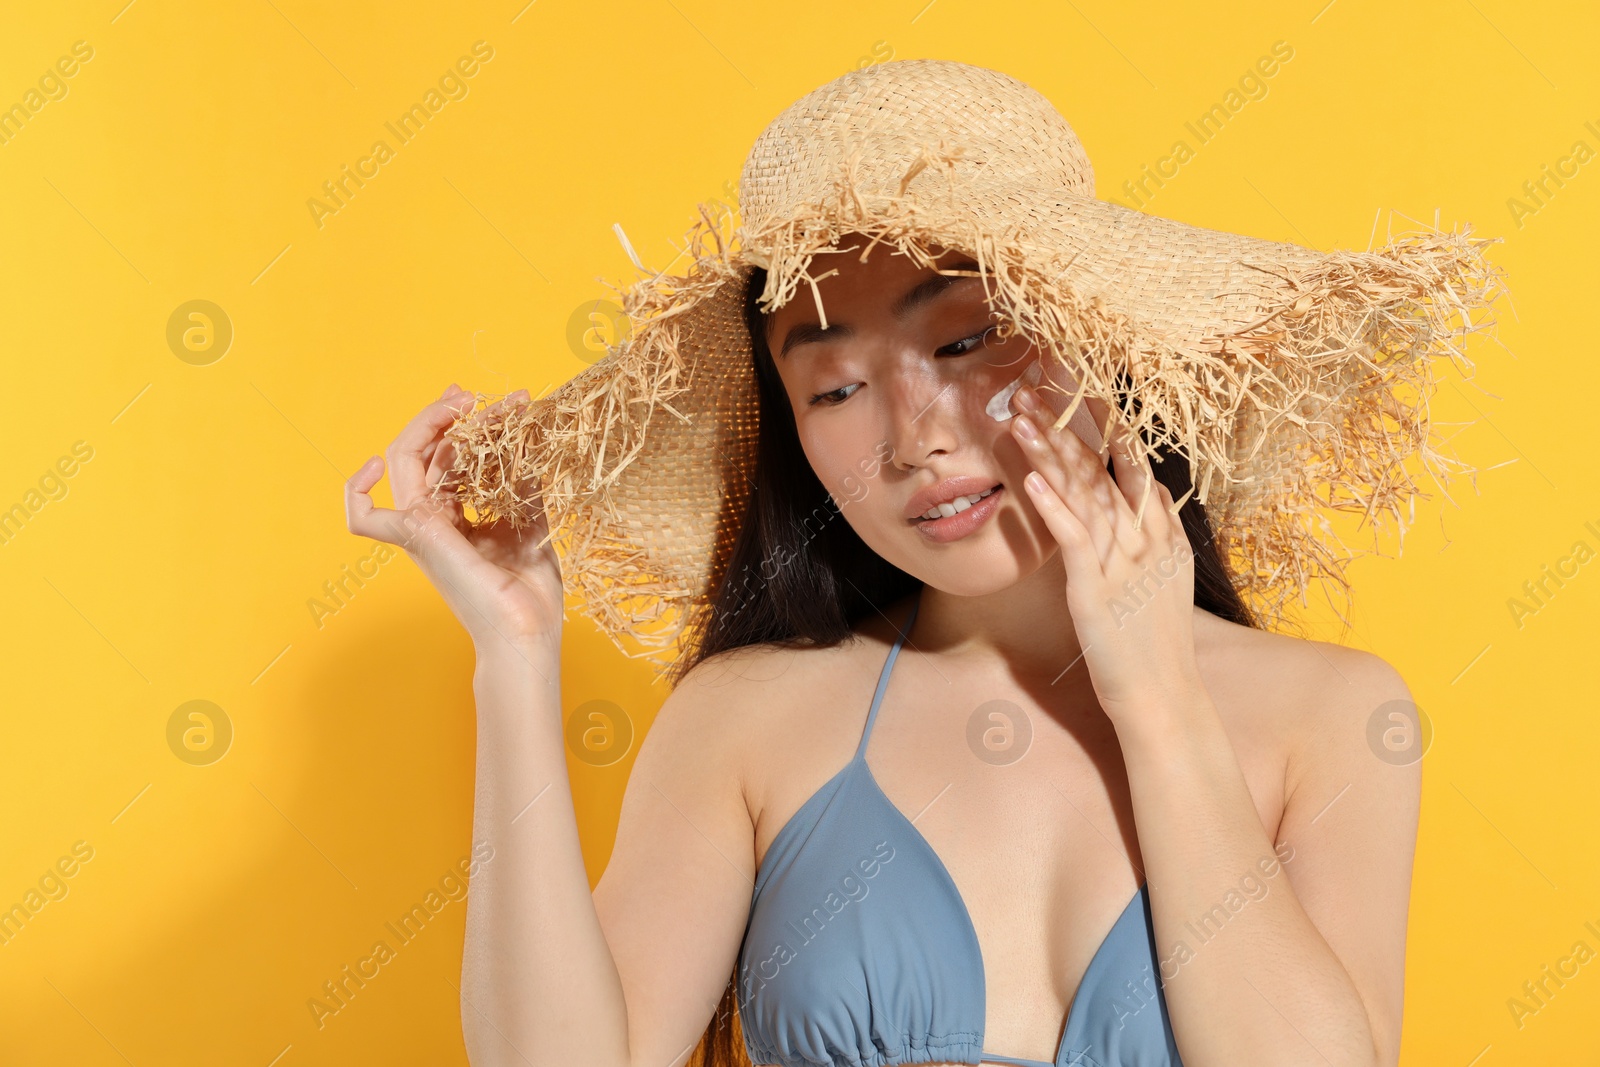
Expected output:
{"points": [[745, 703], [705, 721], [797, 711], [1310, 699], [1308, 679], [693, 769]]}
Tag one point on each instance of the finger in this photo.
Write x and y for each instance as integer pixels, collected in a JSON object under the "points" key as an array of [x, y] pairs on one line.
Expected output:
{"points": [[1062, 390], [440, 453], [440, 496], [1136, 482], [440, 457], [406, 471], [1166, 499], [361, 515], [1179, 535], [497, 409], [499, 414], [1093, 468], [1160, 523], [1055, 464], [1078, 554], [1106, 493], [447, 395], [1062, 469]]}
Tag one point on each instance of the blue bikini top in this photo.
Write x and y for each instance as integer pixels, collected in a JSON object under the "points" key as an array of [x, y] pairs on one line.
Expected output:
{"points": [[860, 952]]}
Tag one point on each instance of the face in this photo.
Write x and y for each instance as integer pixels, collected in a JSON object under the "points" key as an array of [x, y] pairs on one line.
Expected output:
{"points": [[889, 402]]}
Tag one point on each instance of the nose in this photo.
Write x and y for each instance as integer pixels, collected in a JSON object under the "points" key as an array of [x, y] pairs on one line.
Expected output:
{"points": [[922, 411]]}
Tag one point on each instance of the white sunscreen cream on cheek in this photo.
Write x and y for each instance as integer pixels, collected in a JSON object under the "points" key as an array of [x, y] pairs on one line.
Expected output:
{"points": [[1081, 423]]}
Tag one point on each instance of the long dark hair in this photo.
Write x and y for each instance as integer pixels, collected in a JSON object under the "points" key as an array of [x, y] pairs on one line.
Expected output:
{"points": [[799, 575]]}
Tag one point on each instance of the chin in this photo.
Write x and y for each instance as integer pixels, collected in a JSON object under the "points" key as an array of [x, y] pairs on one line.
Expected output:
{"points": [[965, 582]]}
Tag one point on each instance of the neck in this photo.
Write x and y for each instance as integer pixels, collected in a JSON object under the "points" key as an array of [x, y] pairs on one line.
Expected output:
{"points": [[1027, 626]]}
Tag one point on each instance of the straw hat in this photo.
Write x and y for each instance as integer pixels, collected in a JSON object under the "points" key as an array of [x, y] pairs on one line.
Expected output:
{"points": [[1293, 380]]}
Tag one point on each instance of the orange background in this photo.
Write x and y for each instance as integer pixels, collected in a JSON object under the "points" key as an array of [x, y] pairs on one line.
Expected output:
{"points": [[181, 559]]}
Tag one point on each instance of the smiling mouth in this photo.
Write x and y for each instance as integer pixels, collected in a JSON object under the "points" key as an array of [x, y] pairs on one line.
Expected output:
{"points": [[953, 507]]}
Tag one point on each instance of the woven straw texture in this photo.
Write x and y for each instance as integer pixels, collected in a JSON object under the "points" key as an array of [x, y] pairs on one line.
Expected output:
{"points": [[1295, 381]]}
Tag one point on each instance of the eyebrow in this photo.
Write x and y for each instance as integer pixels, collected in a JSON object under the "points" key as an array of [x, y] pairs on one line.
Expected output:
{"points": [[923, 292]]}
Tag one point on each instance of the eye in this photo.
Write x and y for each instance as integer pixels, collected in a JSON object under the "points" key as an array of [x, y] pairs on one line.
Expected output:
{"points": [[821, 398], [970, 342], [961, 348]]}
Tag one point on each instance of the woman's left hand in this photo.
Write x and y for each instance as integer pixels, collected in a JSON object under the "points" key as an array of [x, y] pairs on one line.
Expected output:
{"points": [[1130, 591]]}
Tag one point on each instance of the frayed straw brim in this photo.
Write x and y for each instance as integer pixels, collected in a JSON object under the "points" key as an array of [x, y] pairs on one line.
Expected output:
{"points": [[1295, 381]]}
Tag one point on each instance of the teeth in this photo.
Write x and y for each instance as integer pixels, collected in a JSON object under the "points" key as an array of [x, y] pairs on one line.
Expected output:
{"points": [[955, 507]]}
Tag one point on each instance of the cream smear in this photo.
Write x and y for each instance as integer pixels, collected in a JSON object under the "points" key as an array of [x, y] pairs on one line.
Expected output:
{"points": [[1081, 423]]}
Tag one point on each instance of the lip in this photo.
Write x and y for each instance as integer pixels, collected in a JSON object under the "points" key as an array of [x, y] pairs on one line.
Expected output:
{"points": [[939, 492], [955, 527]]}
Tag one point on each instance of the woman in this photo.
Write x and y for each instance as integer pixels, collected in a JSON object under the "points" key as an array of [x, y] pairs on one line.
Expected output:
{"points": [[1103, 817]]}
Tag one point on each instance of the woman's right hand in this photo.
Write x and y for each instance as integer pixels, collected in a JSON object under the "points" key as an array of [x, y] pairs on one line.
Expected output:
{"points": [[500, 586]]}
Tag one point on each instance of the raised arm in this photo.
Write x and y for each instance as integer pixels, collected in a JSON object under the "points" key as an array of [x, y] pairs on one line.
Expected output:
{"points": [[630, 975], [1312, 971]]}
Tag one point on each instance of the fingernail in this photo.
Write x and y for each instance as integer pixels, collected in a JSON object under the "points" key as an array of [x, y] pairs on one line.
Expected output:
{"points": [[1025, 428]]}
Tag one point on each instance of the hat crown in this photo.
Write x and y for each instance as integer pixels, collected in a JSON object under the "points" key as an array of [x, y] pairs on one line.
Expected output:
{"points": [[890, 113]]}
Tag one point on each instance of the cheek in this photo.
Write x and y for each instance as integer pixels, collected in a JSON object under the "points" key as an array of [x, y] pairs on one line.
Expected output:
{"points": [[987, 386], [847, 463], [989, 389], [1012, 467]]}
